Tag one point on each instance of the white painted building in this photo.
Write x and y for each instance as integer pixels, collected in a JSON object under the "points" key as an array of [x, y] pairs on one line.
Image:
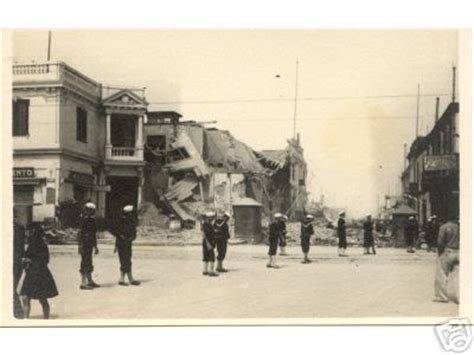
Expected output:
{"points": [[74, 139]]}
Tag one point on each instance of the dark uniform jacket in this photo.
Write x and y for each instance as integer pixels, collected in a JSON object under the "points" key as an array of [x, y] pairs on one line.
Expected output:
{"points": [[368, 233], [341, 228], [274, 231], [126, 229], [209, 233], [221, 229], [307, 230], [88, 232], [282, 229]]}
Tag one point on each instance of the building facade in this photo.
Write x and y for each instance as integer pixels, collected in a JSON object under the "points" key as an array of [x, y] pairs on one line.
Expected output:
{"points": [[430, 182], [67, 145]]}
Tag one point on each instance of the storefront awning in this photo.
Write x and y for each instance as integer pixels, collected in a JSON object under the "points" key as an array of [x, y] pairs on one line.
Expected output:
{"points": [[28, 181]]}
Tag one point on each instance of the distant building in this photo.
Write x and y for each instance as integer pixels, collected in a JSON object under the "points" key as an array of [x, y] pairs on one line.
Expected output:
{"points": [[286, 190], [430, 182], [73, 140]]}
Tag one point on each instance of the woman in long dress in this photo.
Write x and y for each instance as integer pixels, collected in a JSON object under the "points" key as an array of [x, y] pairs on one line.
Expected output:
{"points": [[38, 283]]}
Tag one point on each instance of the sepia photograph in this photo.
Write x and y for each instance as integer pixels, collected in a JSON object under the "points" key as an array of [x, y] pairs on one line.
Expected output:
{"points": [[251, 176]]}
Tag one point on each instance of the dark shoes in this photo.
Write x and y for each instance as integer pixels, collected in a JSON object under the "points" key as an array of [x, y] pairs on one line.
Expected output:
{"points": [[94, 285], [122, 283], [135, 283], [221, 270], [86, 287], [213, 274]]}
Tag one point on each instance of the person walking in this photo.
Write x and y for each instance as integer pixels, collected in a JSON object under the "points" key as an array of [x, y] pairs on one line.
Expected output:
{"points": [[283, 236], [18, 255], [208, 245], [221, 228], [38, 283], [448, 259], [341, 234], [125, 233], [87, 246], [369, 235], [307, 231], [274, 239], [411, 233]]}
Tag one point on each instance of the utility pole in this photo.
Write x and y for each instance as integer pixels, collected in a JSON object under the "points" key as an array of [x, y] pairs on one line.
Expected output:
{"points": [[296, 101], [49, 46], [454, 84], [417, 110], [437, 110], [404, 156]]}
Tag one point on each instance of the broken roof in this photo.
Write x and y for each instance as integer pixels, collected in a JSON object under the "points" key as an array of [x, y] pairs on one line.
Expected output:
{"points": [[273, 159], [224, 152]]}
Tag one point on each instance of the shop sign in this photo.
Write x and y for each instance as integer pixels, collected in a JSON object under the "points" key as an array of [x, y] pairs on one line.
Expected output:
{"points": [[23, 173]]}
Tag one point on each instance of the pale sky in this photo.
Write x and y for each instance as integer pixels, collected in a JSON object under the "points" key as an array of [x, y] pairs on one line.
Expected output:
{"points": [[354, 147]]}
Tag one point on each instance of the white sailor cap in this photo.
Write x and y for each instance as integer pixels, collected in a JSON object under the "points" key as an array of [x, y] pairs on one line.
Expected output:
{"points": [[285, 217], [342, 213], [210, 214], [368, 215], [277, 215], [90, 205], [227, 214], [128, 208], [309, 216]]}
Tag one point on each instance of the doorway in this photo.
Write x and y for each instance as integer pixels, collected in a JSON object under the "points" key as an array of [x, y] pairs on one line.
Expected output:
{"points": [[123, 191]]}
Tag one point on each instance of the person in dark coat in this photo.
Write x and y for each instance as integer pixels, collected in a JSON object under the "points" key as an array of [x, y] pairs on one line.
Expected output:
{"points": [[275, 231], [341, 233], [411, 233], [19, 241], [125, 233], [369, 235], [208, 245], [222, 235], [87, 246], [38, 283], [283, 236], [306, 232], [431, 233]]}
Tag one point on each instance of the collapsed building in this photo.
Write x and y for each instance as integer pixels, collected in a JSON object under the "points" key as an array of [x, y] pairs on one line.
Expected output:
{"points": [[190, 168]]}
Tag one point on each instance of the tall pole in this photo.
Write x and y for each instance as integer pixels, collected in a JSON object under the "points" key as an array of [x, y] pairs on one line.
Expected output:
{"points": [[49, 46], [454, 84], [417, 110], [404, 156], [296, 101]]}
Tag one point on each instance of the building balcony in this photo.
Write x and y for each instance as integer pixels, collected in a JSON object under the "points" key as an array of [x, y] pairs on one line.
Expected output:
{"points": [[55, 74], [124, 154]]}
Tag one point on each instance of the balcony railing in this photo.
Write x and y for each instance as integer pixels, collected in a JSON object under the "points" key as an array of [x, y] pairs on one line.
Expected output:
{"points": [[54, 74], [124, 153]]}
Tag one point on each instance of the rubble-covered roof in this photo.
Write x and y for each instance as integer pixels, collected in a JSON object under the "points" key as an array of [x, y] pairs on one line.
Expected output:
{"points": [[273, 159], [227, 153]]}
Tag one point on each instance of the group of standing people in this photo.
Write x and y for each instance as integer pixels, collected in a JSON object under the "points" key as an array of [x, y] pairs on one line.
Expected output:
{"points": [[32, 278], [215, 236], [125, 232]]}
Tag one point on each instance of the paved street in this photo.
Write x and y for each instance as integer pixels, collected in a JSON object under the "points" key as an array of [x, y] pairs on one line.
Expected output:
{"points": [[393, 283]]}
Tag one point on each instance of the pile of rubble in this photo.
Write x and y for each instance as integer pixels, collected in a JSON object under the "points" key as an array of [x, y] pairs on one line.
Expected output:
{"points": [[64, 236]]}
